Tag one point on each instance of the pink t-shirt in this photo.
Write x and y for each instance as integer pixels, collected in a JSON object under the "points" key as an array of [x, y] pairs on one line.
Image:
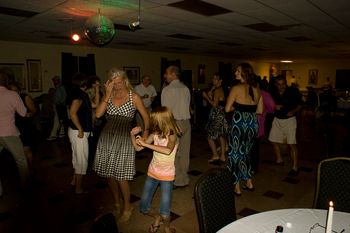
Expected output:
{"points": [[269, 107], [10, 103], [162, 166]]}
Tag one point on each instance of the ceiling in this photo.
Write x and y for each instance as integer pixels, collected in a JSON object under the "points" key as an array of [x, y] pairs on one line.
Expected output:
{"points": [[255, 29]]}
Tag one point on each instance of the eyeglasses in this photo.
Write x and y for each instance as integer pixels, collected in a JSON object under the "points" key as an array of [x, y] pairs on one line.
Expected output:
{"points": [[319, 225]]}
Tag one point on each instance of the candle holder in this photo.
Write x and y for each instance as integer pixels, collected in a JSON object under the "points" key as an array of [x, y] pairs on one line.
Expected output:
{"points": [[319, 225]]}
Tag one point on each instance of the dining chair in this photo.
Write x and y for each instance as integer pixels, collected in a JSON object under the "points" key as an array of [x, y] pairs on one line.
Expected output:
{"points": [[105, 224], [333, 184], [215, 200]]}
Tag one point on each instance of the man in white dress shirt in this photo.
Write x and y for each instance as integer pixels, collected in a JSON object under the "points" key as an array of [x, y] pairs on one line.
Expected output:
{"points": [[148, 93], [177, 97]]}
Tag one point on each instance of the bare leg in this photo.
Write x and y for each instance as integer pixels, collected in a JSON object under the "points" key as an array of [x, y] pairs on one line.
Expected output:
{"points": [[79, 184], [249, 184], [125, 189], [223, 148], [113, 185], [294, 155], [277, 151], [212, 146], [237, 188]]}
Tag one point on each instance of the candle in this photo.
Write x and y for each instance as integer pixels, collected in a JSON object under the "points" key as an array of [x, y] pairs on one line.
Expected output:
{"points": [[330, 218]]}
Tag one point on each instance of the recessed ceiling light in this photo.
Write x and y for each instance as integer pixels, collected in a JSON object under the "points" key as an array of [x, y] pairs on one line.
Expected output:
{"points": [[286, 61]]}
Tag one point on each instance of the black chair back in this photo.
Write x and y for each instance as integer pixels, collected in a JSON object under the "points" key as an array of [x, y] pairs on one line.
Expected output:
{"points": [[214, 200], [333, 184]]}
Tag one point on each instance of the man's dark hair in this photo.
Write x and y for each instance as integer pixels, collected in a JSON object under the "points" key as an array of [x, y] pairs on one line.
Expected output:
{"points": [[280, 77], [4, 80]]}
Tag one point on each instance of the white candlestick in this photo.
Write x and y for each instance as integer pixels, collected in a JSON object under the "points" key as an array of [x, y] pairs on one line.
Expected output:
{"points": [[330, 218]]}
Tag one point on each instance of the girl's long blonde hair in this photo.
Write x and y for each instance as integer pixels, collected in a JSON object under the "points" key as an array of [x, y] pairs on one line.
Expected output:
{"points": [[162, 123], [119, 73]]}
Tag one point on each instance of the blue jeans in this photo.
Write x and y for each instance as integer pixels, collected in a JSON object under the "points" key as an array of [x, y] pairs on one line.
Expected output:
{"points": [[166, 188]]}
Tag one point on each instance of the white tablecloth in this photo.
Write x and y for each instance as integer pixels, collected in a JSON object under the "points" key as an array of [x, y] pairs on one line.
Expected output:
{"points": [[292, 220]]}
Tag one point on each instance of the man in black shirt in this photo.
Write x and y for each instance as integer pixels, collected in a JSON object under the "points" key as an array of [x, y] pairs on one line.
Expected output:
{"points": [[288, 102]]}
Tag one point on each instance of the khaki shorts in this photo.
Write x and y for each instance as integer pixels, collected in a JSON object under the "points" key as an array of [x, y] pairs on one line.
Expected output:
{"points": [[283, 131]]}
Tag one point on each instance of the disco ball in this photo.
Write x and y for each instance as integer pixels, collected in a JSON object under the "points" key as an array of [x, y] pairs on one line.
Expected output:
{"points": [[99, 30]]}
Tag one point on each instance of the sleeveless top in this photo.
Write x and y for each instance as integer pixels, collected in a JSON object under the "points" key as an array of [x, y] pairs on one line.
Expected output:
{"points": [[244, 107], [162, 166], [127, 109]]}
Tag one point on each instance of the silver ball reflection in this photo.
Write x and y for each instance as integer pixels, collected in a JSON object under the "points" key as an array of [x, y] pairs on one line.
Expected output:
{"points": [[99, 30]]}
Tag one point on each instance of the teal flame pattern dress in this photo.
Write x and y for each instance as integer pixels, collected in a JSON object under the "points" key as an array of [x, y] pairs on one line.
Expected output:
{"points": [[242, 133]]}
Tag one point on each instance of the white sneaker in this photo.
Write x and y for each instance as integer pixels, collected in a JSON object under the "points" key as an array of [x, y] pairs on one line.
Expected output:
{"points": [[61, 135], [51, 138]]}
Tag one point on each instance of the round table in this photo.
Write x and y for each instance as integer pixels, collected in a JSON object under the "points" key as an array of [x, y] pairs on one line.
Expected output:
{"points": [[292, 220]]}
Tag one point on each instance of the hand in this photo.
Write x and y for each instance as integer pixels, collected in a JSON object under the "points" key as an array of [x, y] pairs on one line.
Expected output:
{"points": [[289, 114], [140, 141], [136, 130], [80, 134], [109, 88], [278, 106]]}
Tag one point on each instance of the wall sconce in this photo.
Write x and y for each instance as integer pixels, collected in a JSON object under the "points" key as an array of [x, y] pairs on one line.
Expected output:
{"points": [[99, 29]]}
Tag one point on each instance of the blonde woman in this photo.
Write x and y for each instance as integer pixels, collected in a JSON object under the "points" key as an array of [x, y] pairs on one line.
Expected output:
{"points": [[115, 154]]}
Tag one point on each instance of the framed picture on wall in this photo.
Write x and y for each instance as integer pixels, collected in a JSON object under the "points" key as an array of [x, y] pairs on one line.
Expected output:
{"points": [[15, 72], [201, 74], [34, 75], [133, 74], [313, 77]]}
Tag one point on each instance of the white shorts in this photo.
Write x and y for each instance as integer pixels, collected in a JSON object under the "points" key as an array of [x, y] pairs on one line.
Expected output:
{"points": [[80, 151], [284, 131]]}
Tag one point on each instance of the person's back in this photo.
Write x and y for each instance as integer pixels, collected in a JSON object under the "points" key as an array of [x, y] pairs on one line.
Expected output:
{"points": [[10, 103]]}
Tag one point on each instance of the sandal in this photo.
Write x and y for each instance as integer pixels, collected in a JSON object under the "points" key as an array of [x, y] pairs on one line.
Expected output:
{"points": [[213, 159], [153, 228], [126, 215]]}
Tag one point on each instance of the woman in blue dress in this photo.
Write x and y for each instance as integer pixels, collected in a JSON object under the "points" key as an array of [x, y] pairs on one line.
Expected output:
{"points": [[245, 101]]}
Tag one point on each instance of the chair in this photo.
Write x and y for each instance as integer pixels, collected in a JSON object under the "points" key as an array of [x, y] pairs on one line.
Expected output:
{"points": [[214, 200], [105, 224], [333, 184]]}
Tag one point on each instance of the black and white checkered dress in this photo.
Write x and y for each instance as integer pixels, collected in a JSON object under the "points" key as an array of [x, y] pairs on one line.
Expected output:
{"points": [[115, 154]]}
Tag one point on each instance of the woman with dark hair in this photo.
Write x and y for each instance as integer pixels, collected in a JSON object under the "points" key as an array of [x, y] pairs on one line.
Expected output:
{"points": [[80, 128], [217, 125], [245, 100]]}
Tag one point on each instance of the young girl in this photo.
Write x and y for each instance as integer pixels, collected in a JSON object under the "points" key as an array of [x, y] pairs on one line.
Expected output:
{"points": [[164, 135]]}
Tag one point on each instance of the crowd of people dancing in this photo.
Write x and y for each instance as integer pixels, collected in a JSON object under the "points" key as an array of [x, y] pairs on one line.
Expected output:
{"points": [[106, 113]]}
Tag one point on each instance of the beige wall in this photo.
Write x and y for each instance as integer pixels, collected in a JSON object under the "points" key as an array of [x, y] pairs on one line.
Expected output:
{"points": [[149, 62]]}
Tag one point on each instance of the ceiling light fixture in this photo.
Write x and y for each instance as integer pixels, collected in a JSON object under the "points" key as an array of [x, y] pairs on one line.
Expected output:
{"points": [[135, 25], [99, 29], [75, 37], [286, 61]]}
